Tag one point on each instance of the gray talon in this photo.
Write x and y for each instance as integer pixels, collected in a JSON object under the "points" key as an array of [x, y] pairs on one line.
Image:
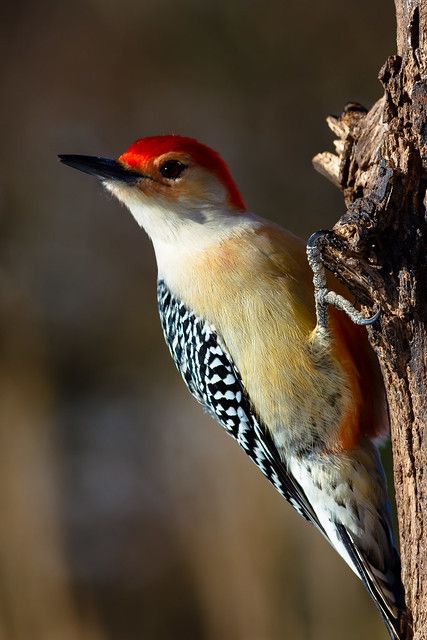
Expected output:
{"points": [[315, 235], [324, 297], [372, 319]]}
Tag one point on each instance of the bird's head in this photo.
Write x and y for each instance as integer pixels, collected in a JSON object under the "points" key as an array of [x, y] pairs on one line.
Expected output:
{"points": [[168, 182]]}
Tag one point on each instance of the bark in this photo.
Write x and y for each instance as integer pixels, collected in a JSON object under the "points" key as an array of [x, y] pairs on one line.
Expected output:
{"points": [[379, 249]]}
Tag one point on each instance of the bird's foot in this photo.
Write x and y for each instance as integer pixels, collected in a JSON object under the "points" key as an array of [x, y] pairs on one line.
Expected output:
{"points": [[323, 296]]}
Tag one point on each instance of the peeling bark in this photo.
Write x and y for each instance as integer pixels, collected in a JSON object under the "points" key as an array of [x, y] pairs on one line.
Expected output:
{"points": [[379, 249]]}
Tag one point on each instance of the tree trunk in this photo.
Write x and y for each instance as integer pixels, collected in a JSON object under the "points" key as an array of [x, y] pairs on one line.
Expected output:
{"points": [[379, 249]]}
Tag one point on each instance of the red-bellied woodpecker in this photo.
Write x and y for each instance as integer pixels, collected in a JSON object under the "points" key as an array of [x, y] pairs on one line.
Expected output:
{"points": [[298, 388]]}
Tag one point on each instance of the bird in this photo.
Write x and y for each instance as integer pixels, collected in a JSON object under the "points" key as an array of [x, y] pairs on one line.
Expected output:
{"points": [[269, 345]]}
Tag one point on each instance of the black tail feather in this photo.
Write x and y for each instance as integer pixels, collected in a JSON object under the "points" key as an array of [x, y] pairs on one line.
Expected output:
{"points": [[392, 609]]}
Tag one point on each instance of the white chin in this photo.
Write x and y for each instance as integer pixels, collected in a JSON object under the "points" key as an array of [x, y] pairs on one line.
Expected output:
{"points": [[119, 189], [147, 213]]}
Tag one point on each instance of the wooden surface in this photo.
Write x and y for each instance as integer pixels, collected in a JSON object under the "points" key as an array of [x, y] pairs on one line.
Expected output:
{"points": [[379, 248]]}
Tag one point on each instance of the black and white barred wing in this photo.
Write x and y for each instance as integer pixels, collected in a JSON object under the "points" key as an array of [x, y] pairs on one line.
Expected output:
{"points": [[212, 378]]}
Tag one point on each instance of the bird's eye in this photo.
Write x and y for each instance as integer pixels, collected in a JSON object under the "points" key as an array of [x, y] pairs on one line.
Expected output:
{"points": [[172, 169]]}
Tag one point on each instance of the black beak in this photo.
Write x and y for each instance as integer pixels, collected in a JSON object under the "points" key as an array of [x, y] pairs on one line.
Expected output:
{"points": [[102, 168]]}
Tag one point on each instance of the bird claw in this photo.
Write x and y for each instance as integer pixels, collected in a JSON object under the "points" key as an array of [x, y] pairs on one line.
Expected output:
{"points": [[323, 296], [341, 303], [312, 241]]}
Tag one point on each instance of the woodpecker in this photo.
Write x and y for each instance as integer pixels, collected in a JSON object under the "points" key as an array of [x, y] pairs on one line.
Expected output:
{"points": [[270, 350]]}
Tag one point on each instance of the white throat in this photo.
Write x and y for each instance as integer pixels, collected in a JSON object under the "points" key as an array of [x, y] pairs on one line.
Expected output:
{"points": [[181, 231]]}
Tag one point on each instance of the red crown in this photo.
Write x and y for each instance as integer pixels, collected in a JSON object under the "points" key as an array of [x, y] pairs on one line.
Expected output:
{"points": [[146, 149]]}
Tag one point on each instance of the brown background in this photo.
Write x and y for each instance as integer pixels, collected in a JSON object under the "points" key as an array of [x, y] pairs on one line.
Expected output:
{"points": [[125, 512]]}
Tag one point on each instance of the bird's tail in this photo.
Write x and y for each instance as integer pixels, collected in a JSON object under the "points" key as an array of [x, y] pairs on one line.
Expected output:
{"points": [[347, 493], [384, 587]]}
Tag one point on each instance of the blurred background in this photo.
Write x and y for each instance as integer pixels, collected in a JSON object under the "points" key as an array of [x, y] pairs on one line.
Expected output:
{"points": [[126, 513]]}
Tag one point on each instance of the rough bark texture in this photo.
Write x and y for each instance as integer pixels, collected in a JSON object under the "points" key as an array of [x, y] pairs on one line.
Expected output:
{"points": [[379, 248]]}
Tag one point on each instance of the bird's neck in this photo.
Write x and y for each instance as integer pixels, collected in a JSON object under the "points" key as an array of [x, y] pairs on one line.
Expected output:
{"points": [[181, 241]]}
